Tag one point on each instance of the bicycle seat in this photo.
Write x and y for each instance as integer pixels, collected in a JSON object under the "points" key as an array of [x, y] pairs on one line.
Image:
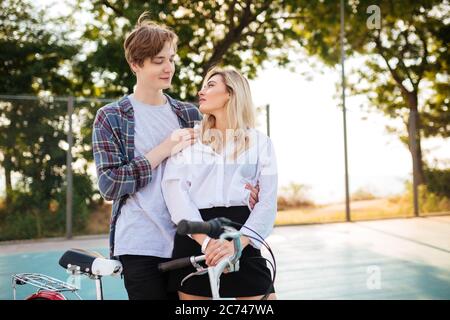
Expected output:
{"points": [[89, 263]]}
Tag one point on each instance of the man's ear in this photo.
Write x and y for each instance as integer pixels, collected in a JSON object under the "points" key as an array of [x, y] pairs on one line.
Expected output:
{"points": [[134, 67]]}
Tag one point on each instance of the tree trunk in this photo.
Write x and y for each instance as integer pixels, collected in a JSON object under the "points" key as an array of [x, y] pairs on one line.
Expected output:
{"points": [[414, 138], [8, 185]]}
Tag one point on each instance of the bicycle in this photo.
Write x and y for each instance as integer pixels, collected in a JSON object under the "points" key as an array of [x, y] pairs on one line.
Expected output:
{"points": [[78, 262], [218, 228]]}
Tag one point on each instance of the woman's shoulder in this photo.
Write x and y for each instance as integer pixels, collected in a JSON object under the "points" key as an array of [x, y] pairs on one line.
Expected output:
{"points": [[259, 137], [190, 153]]}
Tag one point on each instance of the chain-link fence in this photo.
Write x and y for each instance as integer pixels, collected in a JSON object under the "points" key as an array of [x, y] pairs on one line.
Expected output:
{"points": [[48, 191]]}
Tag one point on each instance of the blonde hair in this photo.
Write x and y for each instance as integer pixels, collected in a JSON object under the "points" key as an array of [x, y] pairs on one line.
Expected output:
{"points": [[146, 40], [240, 111]]}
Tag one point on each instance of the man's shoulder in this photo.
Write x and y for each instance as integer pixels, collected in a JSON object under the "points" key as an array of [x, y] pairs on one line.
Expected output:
{"points": [[111, 113], [187, 107], [191, 109], [110, 108]]}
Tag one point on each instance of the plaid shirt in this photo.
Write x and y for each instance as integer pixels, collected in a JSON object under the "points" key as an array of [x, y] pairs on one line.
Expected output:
{"points": [[119, 172]]}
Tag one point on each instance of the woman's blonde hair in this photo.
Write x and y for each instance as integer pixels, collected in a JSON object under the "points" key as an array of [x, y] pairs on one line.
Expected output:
{"points": [[240, 111]]}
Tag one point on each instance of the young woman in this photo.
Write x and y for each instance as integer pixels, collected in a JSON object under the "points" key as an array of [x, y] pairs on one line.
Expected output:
{"points": [[206, 180]]}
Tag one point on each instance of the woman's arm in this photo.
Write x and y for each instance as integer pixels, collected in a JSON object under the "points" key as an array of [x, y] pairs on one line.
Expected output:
{"points": [[262, 217], [175, 186]]}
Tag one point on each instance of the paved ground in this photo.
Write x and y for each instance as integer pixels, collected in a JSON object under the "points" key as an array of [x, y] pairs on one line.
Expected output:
{"points": [[386, 259]]}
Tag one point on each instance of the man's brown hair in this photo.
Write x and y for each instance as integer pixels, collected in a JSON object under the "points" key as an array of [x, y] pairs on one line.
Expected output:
{"points": [[146, 40]]}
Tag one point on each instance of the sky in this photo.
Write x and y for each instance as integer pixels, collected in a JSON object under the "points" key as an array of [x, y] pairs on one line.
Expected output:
{"points": [[307, 132]]}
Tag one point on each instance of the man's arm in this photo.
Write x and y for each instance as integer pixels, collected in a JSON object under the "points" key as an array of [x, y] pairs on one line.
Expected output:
{"points": [[116, 176]]}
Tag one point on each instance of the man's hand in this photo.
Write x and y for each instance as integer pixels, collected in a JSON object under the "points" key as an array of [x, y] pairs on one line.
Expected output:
{"points": [[179, 139], [254, 192]]}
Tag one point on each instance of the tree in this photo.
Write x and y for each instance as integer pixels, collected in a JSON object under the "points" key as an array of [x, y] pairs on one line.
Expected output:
{"points": [[33, 56], [239, 33], [406, 70]]}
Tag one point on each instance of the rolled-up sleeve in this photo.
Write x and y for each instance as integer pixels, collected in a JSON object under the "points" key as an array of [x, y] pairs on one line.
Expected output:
{"points": [[175, 187], [116, 176]]}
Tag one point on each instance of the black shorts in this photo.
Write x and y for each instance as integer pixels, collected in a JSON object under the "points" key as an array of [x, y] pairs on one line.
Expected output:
{"points": [[143, 280], [252, 279]]}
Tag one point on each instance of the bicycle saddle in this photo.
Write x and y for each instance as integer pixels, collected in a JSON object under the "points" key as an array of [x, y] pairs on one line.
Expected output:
{"points": [[89, 263]]}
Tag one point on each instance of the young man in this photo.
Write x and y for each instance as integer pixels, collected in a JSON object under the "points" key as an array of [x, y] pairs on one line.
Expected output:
{"points": [[132, 138]]}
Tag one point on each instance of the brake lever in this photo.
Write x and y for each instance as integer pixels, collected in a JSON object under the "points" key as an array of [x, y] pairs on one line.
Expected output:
{"points": [[199, 272]]}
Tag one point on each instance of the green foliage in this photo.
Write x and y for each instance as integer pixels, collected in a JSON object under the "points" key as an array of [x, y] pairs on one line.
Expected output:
{"points": [[429, 201], [34, 215], [406, 58], [238, 33], [32, 132], [438, 181]]}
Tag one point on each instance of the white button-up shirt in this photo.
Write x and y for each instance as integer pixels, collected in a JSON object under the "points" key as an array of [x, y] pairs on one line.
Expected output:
{"points": [[199, 178]]}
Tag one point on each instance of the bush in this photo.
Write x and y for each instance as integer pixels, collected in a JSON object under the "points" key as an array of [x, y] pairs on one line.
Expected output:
{"points": [[31, 215], [362, 194], [438, 181], [428, 200], [295, 196]]}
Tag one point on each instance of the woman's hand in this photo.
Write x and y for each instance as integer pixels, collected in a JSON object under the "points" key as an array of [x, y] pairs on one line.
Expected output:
{"points": [[217, 250]]}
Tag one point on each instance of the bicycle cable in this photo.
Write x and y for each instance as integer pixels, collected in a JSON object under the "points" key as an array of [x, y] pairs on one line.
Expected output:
{"points": [[266, 245]]}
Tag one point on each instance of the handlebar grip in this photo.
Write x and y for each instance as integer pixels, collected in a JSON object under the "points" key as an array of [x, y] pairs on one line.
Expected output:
{"points": [[175, 264], [213, 228], [187, 227]]}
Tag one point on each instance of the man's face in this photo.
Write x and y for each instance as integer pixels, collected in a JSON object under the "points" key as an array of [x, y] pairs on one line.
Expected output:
{"points": [[157, 72]]}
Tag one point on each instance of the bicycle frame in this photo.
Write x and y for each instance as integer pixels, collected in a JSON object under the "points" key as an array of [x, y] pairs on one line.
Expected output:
{"points": [[78, 263], [232, 262]]}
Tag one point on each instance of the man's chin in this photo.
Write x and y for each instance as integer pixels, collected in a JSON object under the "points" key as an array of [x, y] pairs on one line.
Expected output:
{"points": [[166, 86]]}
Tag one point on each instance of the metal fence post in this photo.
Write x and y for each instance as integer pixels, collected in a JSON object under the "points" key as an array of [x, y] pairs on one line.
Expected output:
{"points": [[69, 190], [347, 196]]}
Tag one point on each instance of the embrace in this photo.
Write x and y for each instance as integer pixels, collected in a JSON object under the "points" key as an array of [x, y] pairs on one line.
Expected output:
{"points": [[161, 160]]}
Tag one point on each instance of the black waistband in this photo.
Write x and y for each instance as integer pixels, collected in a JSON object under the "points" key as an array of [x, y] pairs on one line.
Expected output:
{"points": [[237, 214]]}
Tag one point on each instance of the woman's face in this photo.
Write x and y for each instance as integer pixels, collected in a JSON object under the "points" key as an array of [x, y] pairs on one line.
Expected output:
{"points": [[213, 96]]}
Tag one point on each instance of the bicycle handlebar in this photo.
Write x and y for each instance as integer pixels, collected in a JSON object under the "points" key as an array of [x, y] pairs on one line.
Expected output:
{"points": [[213, 228], [175, 264]]}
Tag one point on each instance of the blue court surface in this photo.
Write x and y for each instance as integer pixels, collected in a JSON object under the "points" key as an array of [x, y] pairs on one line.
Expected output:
{"points": [[385, 259]]}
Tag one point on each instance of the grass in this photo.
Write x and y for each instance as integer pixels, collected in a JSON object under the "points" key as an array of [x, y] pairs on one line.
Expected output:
{"points": [[360, 210], [374, 209]]}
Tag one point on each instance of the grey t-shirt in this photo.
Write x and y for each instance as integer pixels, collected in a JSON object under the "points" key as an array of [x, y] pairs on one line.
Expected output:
{"points": [[144, 226]]}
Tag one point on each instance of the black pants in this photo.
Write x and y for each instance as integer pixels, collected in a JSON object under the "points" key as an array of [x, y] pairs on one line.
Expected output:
{"points": [[143, 280]]}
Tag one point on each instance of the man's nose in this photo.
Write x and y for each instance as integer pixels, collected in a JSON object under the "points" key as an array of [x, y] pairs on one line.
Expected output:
{"points": [[168, 68]]}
